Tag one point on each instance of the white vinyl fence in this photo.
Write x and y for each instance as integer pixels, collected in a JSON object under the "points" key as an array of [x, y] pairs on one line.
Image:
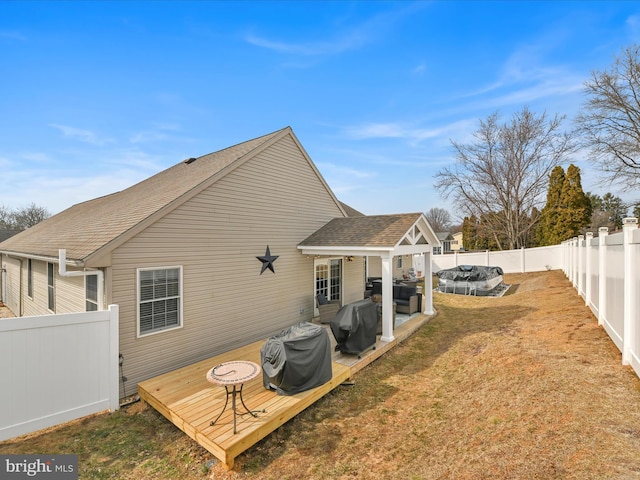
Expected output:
{"points": [[56, 368], [604, 270], [511, 261]]}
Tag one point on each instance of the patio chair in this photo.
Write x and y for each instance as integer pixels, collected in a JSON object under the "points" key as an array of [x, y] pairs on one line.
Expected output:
{"points": [[327, 308]]}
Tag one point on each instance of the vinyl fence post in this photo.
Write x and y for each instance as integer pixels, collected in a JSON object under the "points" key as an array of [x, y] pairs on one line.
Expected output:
{"points": [[114, 353], [630, 276], [588, 269], [580, 270], [522, 265], [602, 274], [574, 263]]}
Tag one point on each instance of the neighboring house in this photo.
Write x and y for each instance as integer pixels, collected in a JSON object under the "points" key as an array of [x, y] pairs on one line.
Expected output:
{"points": [[401, 266], [456, 243], [209, 255], [445, 239], [6, 233]]}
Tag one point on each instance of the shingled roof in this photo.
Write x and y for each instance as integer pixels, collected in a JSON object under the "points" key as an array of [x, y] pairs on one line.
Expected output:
{"points": [[367, 231], [87, 227]]}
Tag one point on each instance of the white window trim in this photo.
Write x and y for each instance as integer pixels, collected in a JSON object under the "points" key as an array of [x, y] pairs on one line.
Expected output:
{"points": [[51, 288], [180, 310], [86, 298], [30, 278]]}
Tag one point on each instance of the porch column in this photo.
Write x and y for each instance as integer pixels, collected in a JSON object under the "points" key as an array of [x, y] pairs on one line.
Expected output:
{"points": [[387, 298], [428, 291]]}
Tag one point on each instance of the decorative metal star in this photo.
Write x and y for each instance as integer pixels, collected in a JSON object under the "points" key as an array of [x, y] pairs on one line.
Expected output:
{"points": [[267, 261]]}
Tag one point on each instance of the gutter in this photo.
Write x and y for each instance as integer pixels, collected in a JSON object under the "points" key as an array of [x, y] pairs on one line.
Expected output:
{"points": [[62, 270]]}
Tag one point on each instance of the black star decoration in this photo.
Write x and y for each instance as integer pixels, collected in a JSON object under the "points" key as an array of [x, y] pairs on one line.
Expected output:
{"points": [[267, 261]]}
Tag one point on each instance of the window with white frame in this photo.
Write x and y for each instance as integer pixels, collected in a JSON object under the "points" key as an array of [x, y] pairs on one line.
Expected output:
{"points": [[51, 287], [91, 292], [159, 299]]}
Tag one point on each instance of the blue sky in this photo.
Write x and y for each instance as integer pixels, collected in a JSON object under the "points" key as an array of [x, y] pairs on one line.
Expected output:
{"points": [[97, 96]]}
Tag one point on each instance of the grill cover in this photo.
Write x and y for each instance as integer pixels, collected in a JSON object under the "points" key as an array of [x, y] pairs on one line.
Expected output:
{"points": [[355, 326], [297, 359]]}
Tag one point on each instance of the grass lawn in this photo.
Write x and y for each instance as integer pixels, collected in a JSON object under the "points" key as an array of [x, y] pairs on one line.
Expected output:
{"points": [[526, 386]]}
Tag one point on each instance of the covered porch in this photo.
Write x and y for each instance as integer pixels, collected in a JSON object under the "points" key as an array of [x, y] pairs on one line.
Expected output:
{"points": [[190, 402], [383, 236]]}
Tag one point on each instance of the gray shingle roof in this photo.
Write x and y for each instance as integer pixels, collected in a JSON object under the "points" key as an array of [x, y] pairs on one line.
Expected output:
{"points": [[369, 231], [86, 227], [350, 211]]}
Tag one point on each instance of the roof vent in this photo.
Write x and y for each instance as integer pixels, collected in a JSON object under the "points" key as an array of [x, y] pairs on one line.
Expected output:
{"points": [[189, 160]]}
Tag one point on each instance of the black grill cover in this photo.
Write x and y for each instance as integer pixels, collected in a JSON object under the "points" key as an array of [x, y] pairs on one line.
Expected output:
{"points": [[355, 326], [297, 359]]}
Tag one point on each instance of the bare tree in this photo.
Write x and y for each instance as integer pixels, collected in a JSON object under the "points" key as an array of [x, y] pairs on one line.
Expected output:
{"points": [[503, 175], [30, 215], [6, 217], [609, 123], [439, 219], [22, 218]]}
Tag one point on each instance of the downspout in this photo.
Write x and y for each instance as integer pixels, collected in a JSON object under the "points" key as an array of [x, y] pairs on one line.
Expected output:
{"points": [[62, 270], [3, 280]]}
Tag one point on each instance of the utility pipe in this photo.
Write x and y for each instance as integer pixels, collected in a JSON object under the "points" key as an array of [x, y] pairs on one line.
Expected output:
{"points": [[3, 292], [62, 270]]}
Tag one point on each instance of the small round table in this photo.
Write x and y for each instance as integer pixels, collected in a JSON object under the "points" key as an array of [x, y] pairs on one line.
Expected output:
{"points": [[233, 374]]}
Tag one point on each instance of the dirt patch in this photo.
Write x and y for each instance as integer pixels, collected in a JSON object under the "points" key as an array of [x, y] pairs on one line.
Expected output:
{"points": [[526, 386]]}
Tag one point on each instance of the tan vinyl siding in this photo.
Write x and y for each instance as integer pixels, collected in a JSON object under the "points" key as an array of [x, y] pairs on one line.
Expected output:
{"points": [[69, 291], [274, 199], [353, 280], [13, 283], [375, 266], [407, 263], [37, 304]]}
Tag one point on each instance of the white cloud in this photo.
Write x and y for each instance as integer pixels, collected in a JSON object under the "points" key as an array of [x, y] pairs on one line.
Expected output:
{"points": [[411, 133], [37, 157], [347, 39], [86, 136], [340, 171]]}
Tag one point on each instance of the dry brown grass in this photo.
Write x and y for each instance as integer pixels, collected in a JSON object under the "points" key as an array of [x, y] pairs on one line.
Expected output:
{"points": [[526, 386]]}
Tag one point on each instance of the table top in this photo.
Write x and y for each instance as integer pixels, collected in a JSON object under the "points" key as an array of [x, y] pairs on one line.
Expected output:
{"points": [[233, 373]]}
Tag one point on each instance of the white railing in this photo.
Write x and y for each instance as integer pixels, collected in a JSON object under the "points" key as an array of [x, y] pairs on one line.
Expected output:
{"points": [[511, 261], [56, 368], [604, 271]]}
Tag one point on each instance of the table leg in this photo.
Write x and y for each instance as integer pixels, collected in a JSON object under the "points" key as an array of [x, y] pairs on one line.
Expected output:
{"points": [[233, 394], [226, 401], [250, 412]]}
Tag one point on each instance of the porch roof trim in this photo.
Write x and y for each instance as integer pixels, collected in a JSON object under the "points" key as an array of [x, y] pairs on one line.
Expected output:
{"points": [[379, 235]]}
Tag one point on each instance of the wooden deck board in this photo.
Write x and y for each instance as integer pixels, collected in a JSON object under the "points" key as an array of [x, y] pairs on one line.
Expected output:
{"points": [[190, 402]]}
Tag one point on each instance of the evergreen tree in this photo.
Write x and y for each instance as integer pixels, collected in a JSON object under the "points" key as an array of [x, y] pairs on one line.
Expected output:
{"points": [[615, 209], [575, 207], [469, 233], [547, 226]]}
